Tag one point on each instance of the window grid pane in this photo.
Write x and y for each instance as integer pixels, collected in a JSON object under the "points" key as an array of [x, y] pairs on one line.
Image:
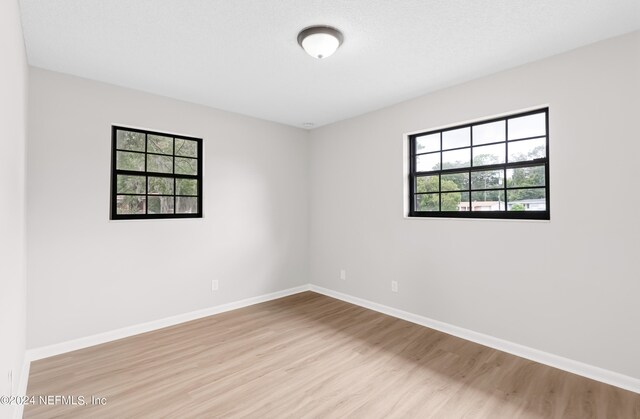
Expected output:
{"points": [[481, 170], [152, 177]]}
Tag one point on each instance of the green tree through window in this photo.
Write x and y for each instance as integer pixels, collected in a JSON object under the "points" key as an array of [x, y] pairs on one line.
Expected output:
{"points": [[493, 168], [155, 175]]}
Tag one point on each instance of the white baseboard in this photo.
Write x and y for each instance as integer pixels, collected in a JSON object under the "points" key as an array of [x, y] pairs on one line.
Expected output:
{"points": [[585, 370], [595, 373], [22, 386], [84, 342]]}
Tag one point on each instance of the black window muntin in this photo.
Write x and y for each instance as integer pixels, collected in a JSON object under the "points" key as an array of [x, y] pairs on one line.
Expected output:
{"points": [[145, 173], [501, 214]]}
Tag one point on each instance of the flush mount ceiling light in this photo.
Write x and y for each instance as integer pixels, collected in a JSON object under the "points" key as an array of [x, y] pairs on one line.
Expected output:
{"points": [[320, 41]]}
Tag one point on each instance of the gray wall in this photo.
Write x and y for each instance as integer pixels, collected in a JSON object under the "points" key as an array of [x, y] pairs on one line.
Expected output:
{"points": [[89, 275], [569, 286], [13, 128]]}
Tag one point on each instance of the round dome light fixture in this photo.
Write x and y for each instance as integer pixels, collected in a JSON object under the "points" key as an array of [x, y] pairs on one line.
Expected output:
{"points": [[320, 41]]}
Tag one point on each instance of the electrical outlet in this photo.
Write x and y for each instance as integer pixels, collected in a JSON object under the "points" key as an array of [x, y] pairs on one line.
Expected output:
{"points": [[394, 286], [214, 285], [343, 274]]}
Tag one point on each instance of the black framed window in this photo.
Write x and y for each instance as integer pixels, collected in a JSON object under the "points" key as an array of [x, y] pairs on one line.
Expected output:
{"points": [[496, 168], [155, 175]]}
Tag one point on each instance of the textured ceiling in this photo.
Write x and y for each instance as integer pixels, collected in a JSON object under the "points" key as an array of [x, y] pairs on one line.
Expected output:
{"points": [[242, 55]]}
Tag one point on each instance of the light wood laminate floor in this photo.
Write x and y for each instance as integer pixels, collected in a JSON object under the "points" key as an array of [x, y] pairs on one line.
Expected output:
{"points": [[312, 356]]}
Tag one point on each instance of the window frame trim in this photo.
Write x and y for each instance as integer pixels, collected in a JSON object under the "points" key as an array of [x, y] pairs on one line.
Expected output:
{"points": [[113, 215], [500, 215]]}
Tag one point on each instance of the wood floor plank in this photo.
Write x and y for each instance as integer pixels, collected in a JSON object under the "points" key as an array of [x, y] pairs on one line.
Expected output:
{"points": [[311, 356]]}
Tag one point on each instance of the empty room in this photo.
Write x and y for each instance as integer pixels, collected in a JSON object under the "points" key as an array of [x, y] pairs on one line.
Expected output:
{"points": [[319, 209]]}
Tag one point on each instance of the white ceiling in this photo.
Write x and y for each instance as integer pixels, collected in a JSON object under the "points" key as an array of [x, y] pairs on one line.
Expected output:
{"points": [[242, 55]]}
